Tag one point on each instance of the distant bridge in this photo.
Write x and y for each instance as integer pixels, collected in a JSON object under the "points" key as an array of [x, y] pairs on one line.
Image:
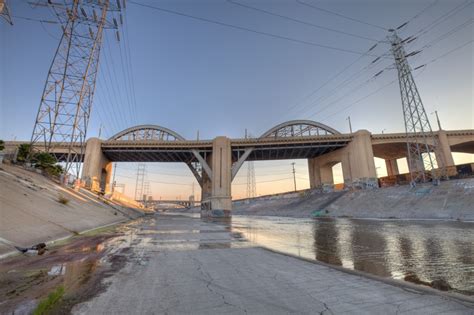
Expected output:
{"points": [[182, 203]]}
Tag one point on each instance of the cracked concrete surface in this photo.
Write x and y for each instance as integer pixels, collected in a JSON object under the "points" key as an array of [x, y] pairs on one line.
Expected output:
{"points": [[193, 267]]}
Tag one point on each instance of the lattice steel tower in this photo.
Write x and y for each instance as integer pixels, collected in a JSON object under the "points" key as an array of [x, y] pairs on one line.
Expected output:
{"points": [[417, 124], [251, 185], [5, 12], [140, 183], [65, 106]]}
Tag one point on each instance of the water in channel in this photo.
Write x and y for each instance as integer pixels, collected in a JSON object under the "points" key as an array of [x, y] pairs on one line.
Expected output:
{"points": [[428, 250]]}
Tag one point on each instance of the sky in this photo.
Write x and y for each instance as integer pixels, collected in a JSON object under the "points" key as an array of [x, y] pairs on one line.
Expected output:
{"points": [[251, 70]]}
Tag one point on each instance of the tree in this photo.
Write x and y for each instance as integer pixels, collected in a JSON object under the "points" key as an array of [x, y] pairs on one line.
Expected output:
{"points": [[23, 151], [48, 163], [2, 145]]}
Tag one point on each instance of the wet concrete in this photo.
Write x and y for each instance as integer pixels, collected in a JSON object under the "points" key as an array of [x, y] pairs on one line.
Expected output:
{"points": [[182, 265], [423, 252], [168, 264]]}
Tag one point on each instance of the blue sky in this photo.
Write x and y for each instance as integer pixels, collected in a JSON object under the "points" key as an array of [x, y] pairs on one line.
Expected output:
{"points": [[191, 75]]}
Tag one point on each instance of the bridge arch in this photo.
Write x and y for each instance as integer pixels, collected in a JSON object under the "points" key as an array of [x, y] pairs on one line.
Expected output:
{"points": [[299, 128], [148, 132]]}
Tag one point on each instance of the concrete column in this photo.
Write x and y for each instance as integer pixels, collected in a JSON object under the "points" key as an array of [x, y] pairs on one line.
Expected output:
{"points": [[326, 175], [314, 173], [97, 169], [206, 189], [346, 169], [444, 156], [221, 200], [361, 158], [392, 167]]}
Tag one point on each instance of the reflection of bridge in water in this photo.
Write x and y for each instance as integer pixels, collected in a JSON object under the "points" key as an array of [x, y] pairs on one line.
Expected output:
{"points": [[215, 163]]}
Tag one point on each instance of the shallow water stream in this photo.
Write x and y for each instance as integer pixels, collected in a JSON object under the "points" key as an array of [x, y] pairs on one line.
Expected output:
{"points": [[428, 250]]}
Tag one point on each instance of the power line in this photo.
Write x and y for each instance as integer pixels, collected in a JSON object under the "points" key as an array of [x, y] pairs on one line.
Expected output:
{"points": [[247, 29], [301, 21], [443, 17], [418, 14], [340, 15], [34, 20], [448, 34]]}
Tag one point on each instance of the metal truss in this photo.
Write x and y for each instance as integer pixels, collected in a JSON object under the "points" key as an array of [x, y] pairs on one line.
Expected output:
{"points": [[299, 128], [65, 106], [417, 124], [5, 12], [147, 132]]}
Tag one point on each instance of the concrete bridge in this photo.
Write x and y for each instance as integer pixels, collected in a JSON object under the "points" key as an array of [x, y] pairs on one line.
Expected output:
{"points": [[216, 162]]}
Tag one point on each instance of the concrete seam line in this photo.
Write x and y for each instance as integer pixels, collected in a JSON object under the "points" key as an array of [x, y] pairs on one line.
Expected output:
{"points": [[397, 283]]}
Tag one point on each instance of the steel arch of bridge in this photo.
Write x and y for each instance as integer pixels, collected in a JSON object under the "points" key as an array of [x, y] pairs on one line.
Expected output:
{"points": [[299, 128], [148, 132]]}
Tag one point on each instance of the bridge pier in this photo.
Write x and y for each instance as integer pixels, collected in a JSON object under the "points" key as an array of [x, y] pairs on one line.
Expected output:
{"points": [[221, 165], [444, 157], [357, 160], [97, 169], [392, 167]]}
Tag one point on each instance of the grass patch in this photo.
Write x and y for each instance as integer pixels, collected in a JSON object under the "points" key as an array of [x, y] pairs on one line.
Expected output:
{"points": [[63, 200], [50, 301]]}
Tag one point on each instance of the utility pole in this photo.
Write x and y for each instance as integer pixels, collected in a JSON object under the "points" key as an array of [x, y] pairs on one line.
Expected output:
{"points": [[100, 130], [437, 120], [294, 174], [350, 126], [65, 106], [417, 125], [5, 12], [197, 138]]}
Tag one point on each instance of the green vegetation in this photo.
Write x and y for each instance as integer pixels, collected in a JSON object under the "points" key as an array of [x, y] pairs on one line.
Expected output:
{"points": [[42, 160], [2, 145], [23, 151], [49, 302], [47, 163]]}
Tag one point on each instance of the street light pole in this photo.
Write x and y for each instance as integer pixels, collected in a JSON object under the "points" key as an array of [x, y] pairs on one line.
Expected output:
{"points": [[294, 174], [350, 126]]}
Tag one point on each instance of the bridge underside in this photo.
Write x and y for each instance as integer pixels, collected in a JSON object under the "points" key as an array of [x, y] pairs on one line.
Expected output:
{"points": [[150, 153]]}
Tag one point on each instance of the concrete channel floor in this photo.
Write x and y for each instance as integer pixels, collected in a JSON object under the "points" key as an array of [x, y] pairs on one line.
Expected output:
{"points": [[182, 265]]}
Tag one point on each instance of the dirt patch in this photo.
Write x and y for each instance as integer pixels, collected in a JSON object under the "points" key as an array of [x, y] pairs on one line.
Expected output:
{"points": [[78, 266]]}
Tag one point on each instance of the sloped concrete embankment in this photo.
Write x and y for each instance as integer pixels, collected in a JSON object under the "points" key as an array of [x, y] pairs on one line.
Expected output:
{"points": [[30, 211], [452, 200]]}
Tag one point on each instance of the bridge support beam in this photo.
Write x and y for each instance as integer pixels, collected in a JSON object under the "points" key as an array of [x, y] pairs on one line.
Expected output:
{"points": [[221, 198], [357, 160], [392, 167], [97, 169], [444, 157], [206, 187]]}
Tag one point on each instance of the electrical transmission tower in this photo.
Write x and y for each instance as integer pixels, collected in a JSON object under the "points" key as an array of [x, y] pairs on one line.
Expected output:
{"points": [[65, 106], [251, 185], [5, 12], [417, 124], [140, 183]]}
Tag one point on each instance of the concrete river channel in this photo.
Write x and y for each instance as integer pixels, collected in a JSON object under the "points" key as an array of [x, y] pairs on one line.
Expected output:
{"points": [[179, 264], [422, 250]]}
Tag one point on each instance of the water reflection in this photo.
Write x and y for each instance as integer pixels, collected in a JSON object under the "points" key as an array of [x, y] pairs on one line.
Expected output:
{"points": [[426, 249]]}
